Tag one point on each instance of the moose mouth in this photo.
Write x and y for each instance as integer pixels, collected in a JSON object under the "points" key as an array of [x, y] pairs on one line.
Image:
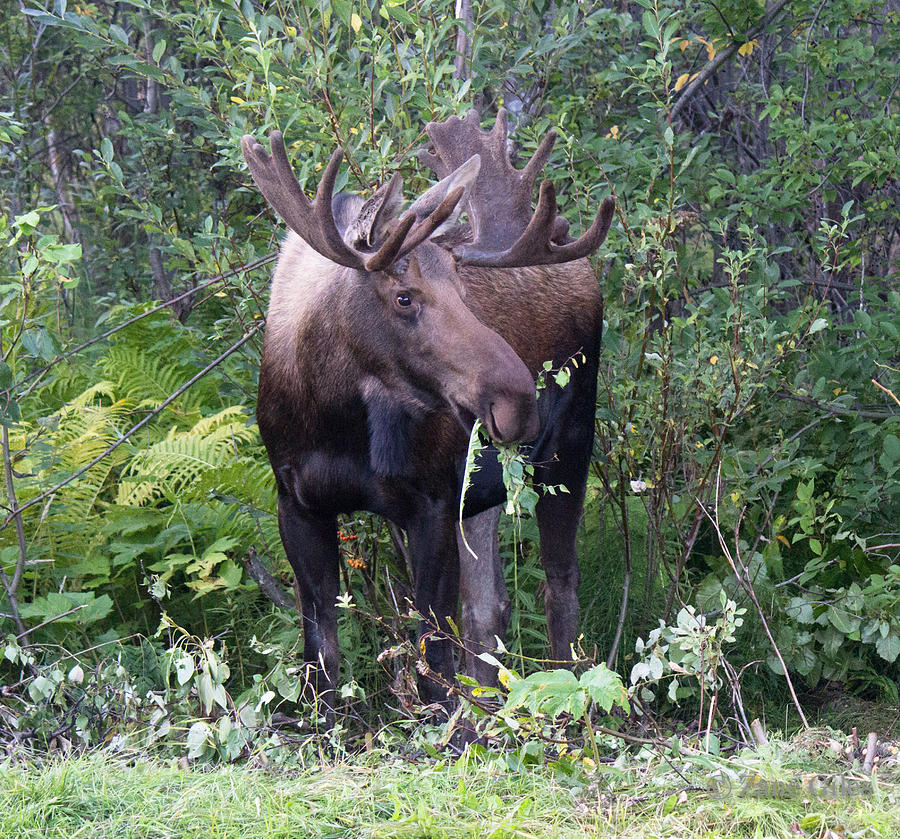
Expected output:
{"points": [[508, 422], [504, 423]]}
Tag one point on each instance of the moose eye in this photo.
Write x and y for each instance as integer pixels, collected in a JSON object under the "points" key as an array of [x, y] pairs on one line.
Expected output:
{"points": [[404, 300]]}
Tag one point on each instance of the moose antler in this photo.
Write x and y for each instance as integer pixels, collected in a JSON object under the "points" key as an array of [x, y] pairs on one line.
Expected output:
{"points": [[505, 232], [314, 220]]}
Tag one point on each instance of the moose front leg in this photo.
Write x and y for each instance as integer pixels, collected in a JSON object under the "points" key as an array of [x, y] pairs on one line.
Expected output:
{"points": [[558, 517], [312, 548], [433, 552]]}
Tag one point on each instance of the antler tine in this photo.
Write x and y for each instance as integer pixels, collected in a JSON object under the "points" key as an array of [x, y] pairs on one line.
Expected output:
{"points": [[539, 159], [312, 221], [505, 231], [536, 246], [591, 239], [390, 250], [433, 220], [410, 233]]}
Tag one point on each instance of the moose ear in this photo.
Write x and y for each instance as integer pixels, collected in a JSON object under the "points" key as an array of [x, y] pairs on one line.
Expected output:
{"points": [[371, 227], [464, 177]]}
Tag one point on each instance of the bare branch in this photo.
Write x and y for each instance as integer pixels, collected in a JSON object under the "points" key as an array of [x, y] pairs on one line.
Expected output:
{"points": [[267, 583], [707, 72]]}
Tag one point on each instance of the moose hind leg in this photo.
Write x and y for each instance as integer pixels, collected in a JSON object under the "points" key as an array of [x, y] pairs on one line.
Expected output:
{"points": [[312, 548], [482, 588]]}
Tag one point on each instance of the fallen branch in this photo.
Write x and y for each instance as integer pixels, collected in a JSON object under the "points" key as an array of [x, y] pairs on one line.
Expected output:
{"points": [[267, 583]]}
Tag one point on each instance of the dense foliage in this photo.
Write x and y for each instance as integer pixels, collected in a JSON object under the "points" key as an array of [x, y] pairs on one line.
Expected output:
{"points": [[748, 446]]}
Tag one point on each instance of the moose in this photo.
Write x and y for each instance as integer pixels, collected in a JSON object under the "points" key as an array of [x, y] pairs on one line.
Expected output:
{"points": [[388, 334]]}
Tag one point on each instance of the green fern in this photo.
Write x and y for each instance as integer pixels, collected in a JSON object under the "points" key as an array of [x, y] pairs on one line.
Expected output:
{"points": [[169, 467]]}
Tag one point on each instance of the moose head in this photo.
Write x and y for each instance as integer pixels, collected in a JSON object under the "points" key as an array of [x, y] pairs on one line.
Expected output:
{"points": [[419, 339]]}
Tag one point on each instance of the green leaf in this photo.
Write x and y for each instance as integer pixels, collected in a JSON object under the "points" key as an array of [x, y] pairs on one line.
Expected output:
{"points": [[106, 149], [551, 692], [68, 607], [888, 648], [41, 688], [184, 669], [59, 253], [197, 737], [158, 49], [842, 621], [118, 33], [28, 221], [604, 687]]}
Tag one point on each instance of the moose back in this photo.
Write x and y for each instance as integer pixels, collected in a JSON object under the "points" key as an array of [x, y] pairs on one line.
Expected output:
{"points": [[388, 334]]}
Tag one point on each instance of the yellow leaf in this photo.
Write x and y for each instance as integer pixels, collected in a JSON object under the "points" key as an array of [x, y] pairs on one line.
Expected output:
{"points": [[782, 539], [682, 81], [291, 30], [683, 43], [710, 52], [746, 49], [713, 359], [355, 22], [237, 99]]}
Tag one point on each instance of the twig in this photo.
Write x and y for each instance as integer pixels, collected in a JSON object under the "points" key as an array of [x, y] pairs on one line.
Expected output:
{"points": [[626, 584], [263, 260], [743, 577], [836, 410], [695, 86], [888, 392], [133, 430], [52, 620]]}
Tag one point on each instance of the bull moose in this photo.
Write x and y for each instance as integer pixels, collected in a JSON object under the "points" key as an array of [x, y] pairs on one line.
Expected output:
{"points": [[388, 334]]}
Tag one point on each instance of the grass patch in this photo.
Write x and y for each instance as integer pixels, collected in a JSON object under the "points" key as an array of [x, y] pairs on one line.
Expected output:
{"points": [[102, 796]]}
